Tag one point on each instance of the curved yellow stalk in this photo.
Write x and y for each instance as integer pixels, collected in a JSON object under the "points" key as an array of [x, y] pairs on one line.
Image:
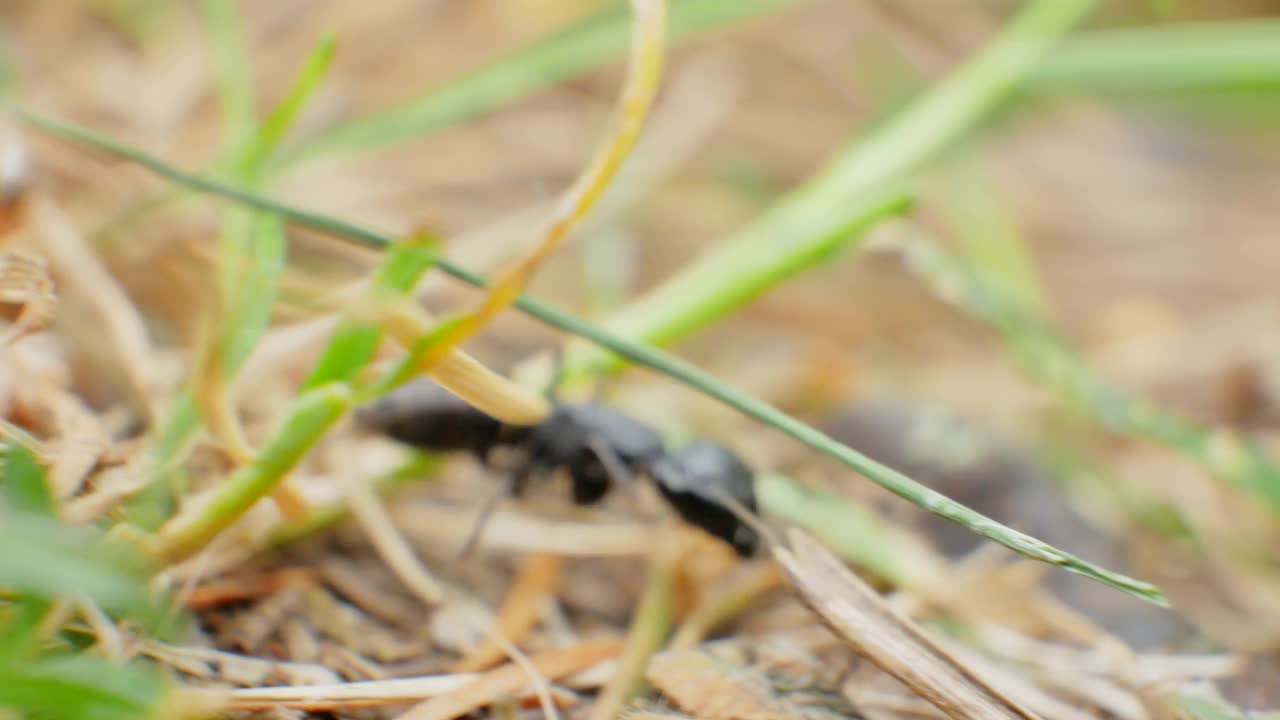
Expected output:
{"points": [[644, 70]]}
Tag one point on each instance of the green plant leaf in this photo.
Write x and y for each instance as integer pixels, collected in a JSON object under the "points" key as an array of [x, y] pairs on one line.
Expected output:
{"points": [[66, 562], [25, 483], [80, 686]]}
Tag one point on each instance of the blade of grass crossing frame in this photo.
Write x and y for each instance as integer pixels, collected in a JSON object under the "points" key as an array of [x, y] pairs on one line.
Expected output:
{"points": [[639, 353]]}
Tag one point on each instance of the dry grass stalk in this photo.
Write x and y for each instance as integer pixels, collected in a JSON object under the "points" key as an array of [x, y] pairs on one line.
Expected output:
{"points": [[114, 314], [537, 579], [713, 689], [761, 578], [509, 679], [511, 531], [25, 282], [889, 639], [394, 550]]}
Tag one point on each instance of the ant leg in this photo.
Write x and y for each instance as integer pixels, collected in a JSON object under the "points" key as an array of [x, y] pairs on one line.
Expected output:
{"points": [[588, 488], [511, 484]]}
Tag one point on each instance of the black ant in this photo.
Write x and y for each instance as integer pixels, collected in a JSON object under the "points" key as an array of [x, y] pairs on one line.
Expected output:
{"points": [[597, 445]]}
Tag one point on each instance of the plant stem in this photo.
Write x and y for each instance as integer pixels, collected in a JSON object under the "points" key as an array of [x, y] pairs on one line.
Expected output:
{"points": [[312, 414]]}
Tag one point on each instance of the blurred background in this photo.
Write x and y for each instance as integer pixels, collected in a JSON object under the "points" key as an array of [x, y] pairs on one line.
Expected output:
{"points": [[1076, 329]]}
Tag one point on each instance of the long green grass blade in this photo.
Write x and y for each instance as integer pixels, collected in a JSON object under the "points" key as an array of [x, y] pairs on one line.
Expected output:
{"points": [[560, 57], [820, 211], [639, 353], [254, 253]]}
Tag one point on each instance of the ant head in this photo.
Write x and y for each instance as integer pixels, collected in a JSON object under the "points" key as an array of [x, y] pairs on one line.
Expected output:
{"points": [[710, 501]]}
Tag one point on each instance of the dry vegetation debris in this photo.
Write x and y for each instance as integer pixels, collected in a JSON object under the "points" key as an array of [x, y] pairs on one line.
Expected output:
{"points": [[1153, 245]]}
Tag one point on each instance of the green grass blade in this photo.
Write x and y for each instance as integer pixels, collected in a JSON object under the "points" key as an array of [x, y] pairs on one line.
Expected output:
{"points": [[254, 246], [309, 418], [1226, 55], [638, 353], [560, 57], [233, 73], [1048, 359], [277, 124], [254, 252], [352, 347], [820, 210], [405, 263], [989, 240]]}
